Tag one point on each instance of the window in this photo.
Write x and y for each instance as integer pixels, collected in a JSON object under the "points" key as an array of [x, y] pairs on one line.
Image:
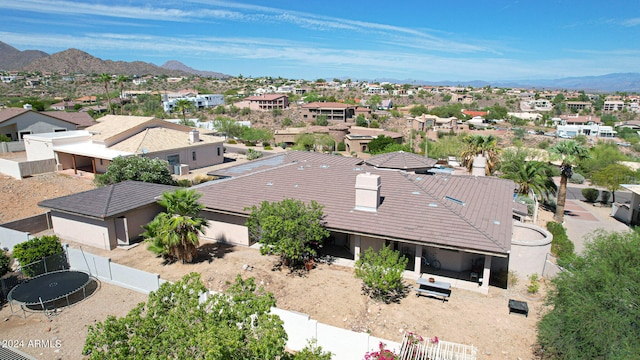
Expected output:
{"points": [[218, 150], [59, 130], [193, 155]]}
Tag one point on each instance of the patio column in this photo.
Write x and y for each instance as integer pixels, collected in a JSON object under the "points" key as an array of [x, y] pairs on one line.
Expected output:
{"points": [[486, 272], [356, 250], [418, 260], [75, 168]]}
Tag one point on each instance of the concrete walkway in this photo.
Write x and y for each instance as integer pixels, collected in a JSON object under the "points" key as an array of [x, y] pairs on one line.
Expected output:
{"points": [[583, 219]]}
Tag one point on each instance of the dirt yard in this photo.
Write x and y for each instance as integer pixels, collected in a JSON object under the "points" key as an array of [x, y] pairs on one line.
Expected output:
{"points": [[329, 293]]}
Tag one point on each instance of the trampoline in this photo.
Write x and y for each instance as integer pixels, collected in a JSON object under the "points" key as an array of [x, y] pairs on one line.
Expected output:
{"points": [[44, 290]]}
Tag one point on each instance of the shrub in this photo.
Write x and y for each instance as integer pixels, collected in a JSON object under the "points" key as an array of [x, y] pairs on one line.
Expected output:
{"points": [[561, 246], [5, 263], [253, 154], [184, 183], [381, 274], [202, 178], [35, 249], [534, 286], [576, 178], [265, 144], [342, 146], [268, 147], [606, 195], [591, 194], [231, 141]]}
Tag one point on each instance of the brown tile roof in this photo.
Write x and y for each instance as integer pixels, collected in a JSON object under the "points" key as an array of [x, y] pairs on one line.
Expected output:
{"points": [[458, 212], [81, 119], [401, 160], [10, 113], [474, 113], [161, 139], [108, 201], [360, 131]]}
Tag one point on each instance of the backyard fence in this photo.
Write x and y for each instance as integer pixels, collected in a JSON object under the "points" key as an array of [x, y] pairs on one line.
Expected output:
{"points": [[47, 264]]}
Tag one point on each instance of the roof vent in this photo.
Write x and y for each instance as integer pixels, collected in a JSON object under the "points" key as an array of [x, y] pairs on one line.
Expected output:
{"points": [[433, 205], [496, 222], [454, 200], [269, 183], [357, 169], [301, 168], [324, 166], [416, 192], [419, 178]]}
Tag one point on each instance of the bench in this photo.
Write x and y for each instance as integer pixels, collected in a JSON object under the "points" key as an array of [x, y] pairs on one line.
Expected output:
{"points": [[437, 288], [519, 307]]}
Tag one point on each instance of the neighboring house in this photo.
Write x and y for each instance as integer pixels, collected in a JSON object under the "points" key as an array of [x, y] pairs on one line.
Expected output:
{"points": [[106, 217], [579, 120], [268, 102], [529, 116], [199, 101], [577, 105], [460, 220], [571, 131], [334, 111], [474, 113], [15, 123], [358, 138], [427, 121], [93, 149]]}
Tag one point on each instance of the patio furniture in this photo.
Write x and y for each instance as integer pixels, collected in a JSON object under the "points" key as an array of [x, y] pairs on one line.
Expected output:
{"points": [[519, 307], [436, 288]]}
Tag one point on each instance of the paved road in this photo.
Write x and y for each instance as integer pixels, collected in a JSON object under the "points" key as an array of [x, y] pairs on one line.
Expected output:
{"points": [[575, 193]]}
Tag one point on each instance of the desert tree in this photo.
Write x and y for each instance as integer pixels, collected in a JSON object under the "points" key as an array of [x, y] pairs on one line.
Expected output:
{"points": [[105, 79], [569, 153], [612, 176], [381, 274], [137, 168]]}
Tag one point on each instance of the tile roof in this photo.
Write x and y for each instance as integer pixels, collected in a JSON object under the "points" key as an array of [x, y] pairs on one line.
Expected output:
{"points": [[81, 119], [108, 201], [10, 113], [268, 97], [401, 160], [160, 139], [111, 125], [459, 212], [283, 159]]}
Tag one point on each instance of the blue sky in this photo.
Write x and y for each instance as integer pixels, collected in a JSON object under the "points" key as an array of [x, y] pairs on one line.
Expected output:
{"points": [[432, 40]]}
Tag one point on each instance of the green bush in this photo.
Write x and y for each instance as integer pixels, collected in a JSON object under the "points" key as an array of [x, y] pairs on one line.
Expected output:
{"points": [[5, 263], [231, 141], [591, 194], [534, 284], [35, 249], [184, 183], [576, 178], [342, 146], [561, 246], [253, 154], [381, 274], [606, 195]]}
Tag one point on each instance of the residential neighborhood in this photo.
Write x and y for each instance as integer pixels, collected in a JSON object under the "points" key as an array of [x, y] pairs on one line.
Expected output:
{"points": [[482, 199]]}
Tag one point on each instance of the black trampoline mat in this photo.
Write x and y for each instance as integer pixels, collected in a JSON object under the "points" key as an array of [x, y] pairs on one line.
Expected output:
{"points": [[50, 286]]}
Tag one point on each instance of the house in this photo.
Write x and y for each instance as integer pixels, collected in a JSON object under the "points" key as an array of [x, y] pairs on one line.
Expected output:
{"points": [[613, 105], [579, 120], [198, 101], [268, 102], [577, 105], [427, 121], [358, 138], [460, 220], [474, 113], [106, 217], [334, 111], [93, 149], [15, 123]]}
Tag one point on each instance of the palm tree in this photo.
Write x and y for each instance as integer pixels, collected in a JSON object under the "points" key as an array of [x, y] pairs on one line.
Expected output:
{"points": [[481, 145], [570, 153], [532, 176], [105, 79], [174, 233], [121, 80], [183, 105]]}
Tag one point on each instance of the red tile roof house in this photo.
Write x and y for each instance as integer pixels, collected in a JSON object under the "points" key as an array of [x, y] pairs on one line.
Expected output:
{"points": [[460, 220], [268, 102]]}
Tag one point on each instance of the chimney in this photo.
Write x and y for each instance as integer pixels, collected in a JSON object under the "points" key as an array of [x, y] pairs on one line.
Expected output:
{"points": [[479, 164], [367, 192], [194, 136]]}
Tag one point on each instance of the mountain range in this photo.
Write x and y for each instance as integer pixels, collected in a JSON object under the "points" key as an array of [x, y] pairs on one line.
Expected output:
{"points": [[77, 61]]}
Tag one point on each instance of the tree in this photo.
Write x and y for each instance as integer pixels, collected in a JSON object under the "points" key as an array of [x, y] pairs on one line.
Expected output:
{"points": [[5, 263], [480, 145], [121, 80], [290, 229], [418, 110], [361, 121], [227, 126], [255, 135], [175, 324], [105, 79], [184, 105], [174, 233], [612, 176], [374, 101], [593, 308], [378, 144], [322, 120], [138, 168], [35, 249], [381, 274], [569, 152], [532, 176]]}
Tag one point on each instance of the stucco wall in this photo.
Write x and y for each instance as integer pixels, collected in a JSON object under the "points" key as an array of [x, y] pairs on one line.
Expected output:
{"points": [[38, 149], [206, 155], [34, 123], [529, 248], [90, 232], [226, 228], [139, 217]]}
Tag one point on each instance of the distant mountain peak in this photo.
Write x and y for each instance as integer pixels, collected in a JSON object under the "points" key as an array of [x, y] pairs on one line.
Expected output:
{"points": [[14, 59], [177, 65]]}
